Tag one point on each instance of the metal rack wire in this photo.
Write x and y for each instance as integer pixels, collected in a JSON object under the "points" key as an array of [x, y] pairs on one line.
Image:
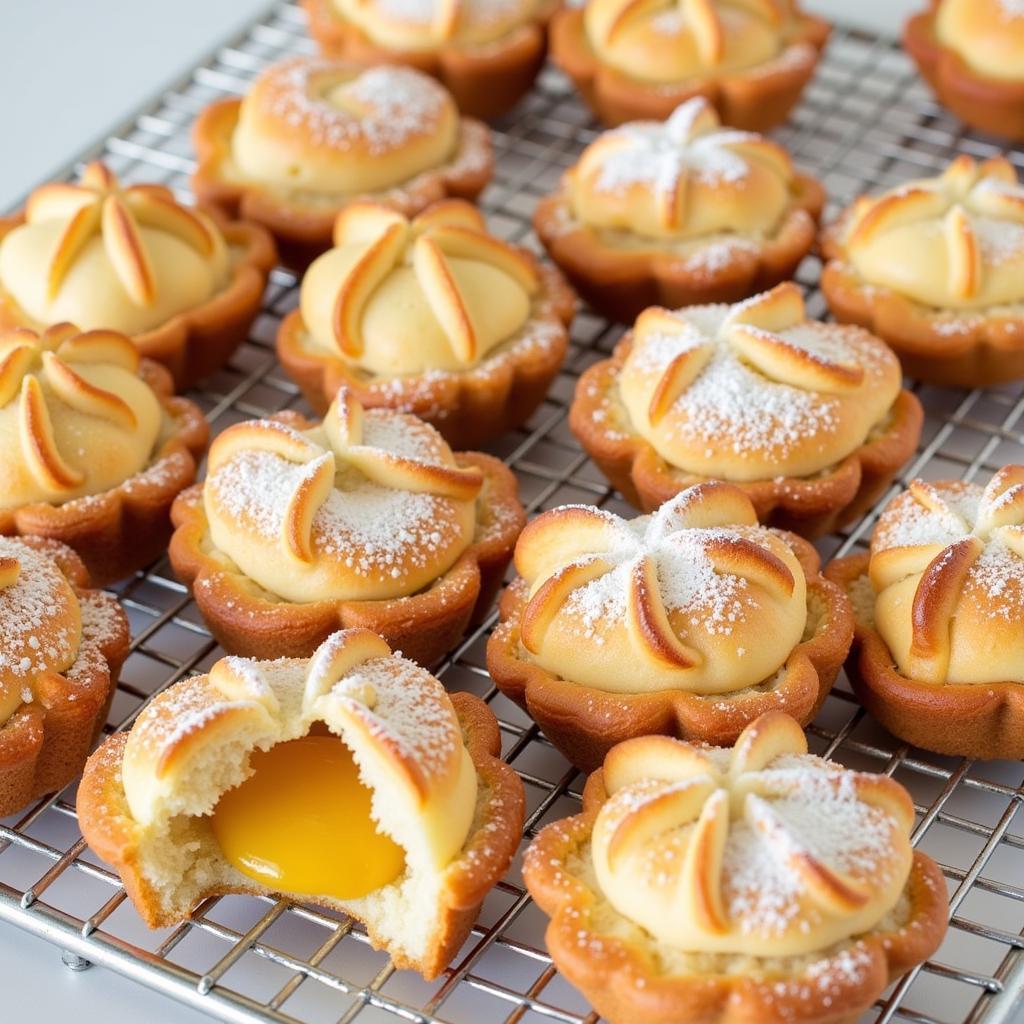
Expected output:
{"points": [[865, 123]]}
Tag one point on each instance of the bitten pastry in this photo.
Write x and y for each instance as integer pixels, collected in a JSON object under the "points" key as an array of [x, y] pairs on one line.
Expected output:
{"points": [[808, 418], [936, 268], [352, 781], [95, 447], [131, 258], [433, 316], [702, 885], [631, 61], [486, 52], [690, 622], [366, 519], [678, 213], [61, 648], [971, 52], [312, 134], [939, 608]]}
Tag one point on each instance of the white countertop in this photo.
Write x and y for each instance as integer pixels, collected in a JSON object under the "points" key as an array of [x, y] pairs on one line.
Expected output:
{"points": [[75, 70]]}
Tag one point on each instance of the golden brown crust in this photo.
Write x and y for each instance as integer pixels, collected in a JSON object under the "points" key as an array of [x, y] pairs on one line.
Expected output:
{"points": [[121, 530], [195, 343], [757, 99], [468, 407], [620, 283], [585, 723], [110, 830], [811, 507], [44, 744], [993, 105], [622, 981], [977, 720], [486, 81], [303, 231], [423, 626]]}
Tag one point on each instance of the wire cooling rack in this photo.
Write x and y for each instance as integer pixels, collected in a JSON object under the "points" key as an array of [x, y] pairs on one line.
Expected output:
{"points": [[865, 123]]}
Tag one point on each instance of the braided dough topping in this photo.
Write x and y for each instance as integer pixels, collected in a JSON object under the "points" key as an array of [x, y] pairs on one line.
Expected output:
{"points": [[947, 569], [103, 255], [369, 505], [401, 297], [325, 126], [755, 390], [696, 597], [987, 34], [762, 850], [430, 24], [75, 417], [682, 178], [955, 241], [673, 40]]}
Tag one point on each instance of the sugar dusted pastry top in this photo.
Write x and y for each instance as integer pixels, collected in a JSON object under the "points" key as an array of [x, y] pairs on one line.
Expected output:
{"points": [[987, 34], [682, 178], [75, 417], [368, 505], [947, 570], [430, 24], [755, 390], [696, 597], [762, 850], [395, 717], [319, 125], [103, 255], [676, 40], [955, 241], [398, 296]]}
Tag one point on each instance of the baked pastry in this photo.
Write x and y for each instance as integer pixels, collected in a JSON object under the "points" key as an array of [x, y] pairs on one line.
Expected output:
{"points": [[690, 622], [971, 52], [433, 316], [366, 519], [487, 54], [936, 268], [131, 258], [710, 886], [351, 780], [937, 603], [808, 418], [313, 134], [95, 447], [678, 212], [61, 648], [637, 61]]}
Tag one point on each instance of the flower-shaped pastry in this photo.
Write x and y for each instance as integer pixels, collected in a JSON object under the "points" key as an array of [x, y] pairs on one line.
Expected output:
{"points": [[971, 52], [690, 622], [808, 418], [95, 449], [634, 59], [366, 519], [133, 259], [702, 885], [61, 648], [939, 606], [433, 316], [486, 52], [936, 268], [351, 780], [679, 212], [312, 135]]}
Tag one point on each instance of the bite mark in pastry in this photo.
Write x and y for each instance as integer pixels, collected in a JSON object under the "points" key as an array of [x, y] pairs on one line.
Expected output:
{"points": [[153, 801], [709, 885], [938, 609], [808, 418]]}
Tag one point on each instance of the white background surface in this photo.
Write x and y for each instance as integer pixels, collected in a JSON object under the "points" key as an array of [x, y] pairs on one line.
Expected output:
{"points": [[70, 72]]}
